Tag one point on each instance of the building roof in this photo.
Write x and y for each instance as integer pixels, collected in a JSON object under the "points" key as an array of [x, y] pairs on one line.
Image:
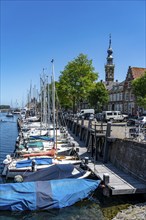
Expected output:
{"points": [[109, 85], [137, 72], [117, 87]]}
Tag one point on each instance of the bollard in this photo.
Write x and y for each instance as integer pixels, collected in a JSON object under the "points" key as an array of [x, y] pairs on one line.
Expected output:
{"points": [[106, 178], [86, 160]]}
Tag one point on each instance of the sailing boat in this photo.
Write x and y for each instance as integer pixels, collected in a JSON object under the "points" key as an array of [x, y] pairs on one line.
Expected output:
{"points": [[55, 129], [9, 113]]}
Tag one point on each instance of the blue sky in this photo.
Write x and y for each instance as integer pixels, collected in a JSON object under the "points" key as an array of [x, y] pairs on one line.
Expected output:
{"points": [[34, 32]]}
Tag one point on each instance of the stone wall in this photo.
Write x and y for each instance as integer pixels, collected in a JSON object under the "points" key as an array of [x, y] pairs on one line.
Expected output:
{"points": [[129, 156]]}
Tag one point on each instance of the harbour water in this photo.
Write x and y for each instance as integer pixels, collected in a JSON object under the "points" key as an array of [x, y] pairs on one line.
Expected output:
{"points": [[93, 208]]}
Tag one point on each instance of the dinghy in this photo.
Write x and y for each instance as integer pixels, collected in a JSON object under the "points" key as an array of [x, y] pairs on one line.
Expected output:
{"points": [[44, 195]]}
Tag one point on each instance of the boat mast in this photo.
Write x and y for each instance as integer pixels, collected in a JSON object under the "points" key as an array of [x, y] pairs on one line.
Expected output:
{"points": [[53, 98], [48, 95]]}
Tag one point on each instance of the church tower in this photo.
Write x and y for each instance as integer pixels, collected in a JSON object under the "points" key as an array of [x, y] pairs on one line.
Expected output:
{"points": [[109, 67]]}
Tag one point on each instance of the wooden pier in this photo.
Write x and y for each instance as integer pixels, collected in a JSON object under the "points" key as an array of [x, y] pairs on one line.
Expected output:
{"points": [[115, 180]]}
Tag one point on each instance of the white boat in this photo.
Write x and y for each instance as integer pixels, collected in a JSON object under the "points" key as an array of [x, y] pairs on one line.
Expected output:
{"points": [[19, 166], [9, 114]]}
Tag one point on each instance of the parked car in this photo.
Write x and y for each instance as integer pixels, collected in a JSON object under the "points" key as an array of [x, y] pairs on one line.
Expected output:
{"points": [[131, 121], [87, 116], [114, 116], [99, 116], [85, 112], [140, 121]]}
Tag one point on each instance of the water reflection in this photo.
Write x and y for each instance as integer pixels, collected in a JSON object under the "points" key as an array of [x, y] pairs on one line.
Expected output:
{"points": [[84, 210]]}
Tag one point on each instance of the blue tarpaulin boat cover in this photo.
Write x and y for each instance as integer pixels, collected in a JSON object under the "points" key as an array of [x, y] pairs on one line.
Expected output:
{"points": [[45, 138], [56, 171], [43, 195], [38, 161]]}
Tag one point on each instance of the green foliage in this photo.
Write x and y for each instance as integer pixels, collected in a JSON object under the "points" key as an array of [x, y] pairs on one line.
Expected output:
{"points": [[76, 80], [4, 107], [98, 96], [139, 89]]}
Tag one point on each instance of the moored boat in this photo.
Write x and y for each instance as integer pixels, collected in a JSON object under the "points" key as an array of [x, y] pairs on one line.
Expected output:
{"points": [[43, 195], [22, 166], [56, 171]]}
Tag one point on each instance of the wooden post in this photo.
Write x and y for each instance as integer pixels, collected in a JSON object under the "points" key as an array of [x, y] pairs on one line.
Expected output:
{"points": [[88, 133], [95, 144], [89, 123], [106, 144], [81, 129], [87, 139], [106, 178], [76, 127], [92, 145], [73, 124]]}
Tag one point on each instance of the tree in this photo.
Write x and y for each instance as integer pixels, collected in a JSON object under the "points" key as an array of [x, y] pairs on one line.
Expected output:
{"points": [[76, 80], [98, 96], [139, 90]]}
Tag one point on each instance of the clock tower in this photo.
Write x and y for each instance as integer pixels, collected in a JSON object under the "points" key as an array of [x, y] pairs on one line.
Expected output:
{"points": [[109, 67]]}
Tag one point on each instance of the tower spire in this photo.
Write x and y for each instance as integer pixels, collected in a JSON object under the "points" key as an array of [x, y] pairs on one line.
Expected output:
{"points": [[109, 67], [110, 41]]}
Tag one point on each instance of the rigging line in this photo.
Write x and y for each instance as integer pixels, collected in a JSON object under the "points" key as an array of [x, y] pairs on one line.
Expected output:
{"points": [[60, 108]]}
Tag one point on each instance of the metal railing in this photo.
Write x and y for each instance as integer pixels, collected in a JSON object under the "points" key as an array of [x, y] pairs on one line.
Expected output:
{"points": [[136, 133]]}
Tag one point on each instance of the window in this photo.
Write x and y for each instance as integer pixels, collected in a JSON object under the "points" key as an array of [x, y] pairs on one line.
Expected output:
{"points": [[111, 97], [109, 113], [126, 96], [120, 96]]}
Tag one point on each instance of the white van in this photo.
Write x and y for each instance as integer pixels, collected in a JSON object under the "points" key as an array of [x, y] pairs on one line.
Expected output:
{"points": [[113, 116], [85, 111]]}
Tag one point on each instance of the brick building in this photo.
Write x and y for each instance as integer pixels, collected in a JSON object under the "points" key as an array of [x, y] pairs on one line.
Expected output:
{"points": [[121, 97]]}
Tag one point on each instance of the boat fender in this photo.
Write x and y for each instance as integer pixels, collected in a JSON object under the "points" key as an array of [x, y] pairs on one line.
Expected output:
{"points": [[18, 179], [7, 160]]}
